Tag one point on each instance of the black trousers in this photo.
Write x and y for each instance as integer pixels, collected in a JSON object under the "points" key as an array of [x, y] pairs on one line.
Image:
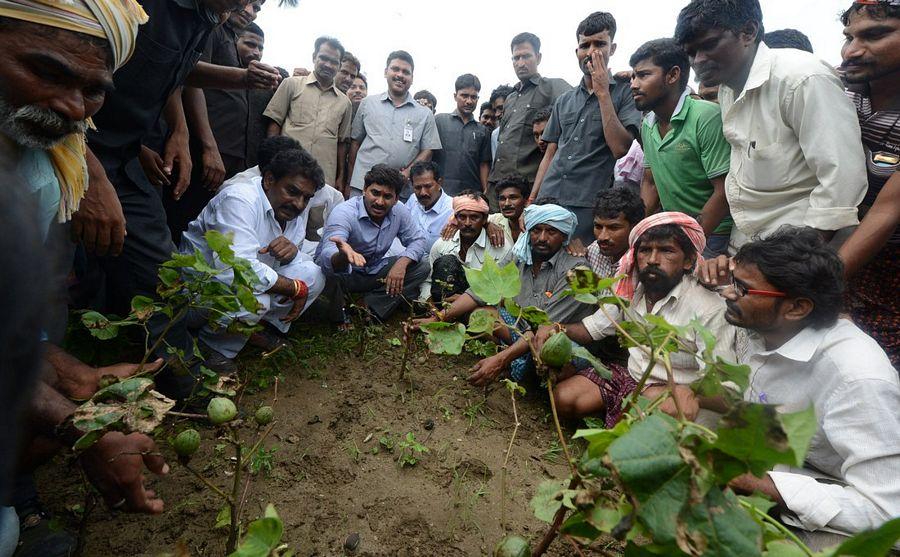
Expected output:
{"points": [[373, 288]]}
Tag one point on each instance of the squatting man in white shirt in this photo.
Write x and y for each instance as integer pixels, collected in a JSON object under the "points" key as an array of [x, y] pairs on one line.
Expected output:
{"points": [[263, 215], [787, 290]]}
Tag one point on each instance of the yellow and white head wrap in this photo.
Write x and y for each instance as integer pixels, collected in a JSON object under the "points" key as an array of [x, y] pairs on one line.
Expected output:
{"points": [[116, 21]]}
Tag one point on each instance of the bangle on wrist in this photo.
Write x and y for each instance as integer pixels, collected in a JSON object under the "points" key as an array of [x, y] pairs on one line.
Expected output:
{"points": [[301, 290]]}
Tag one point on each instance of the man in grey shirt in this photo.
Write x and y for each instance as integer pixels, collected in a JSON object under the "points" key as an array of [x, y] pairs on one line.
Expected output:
{"points": [[516, 151], [465, 156], [391, 128], [590, 127]]}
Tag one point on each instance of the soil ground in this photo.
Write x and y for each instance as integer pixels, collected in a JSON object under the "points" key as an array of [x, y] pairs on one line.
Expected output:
{"points": [[331, 476]]}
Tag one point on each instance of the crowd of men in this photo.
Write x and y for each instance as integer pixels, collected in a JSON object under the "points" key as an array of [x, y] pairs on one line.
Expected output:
{"points": [[761, 201]]}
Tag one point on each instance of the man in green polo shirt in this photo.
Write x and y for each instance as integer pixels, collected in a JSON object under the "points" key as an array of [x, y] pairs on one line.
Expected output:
{"points": [[686, 157]]}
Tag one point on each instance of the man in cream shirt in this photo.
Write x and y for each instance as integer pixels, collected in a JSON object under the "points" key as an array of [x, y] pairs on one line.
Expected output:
{"points": [[796, 154]]}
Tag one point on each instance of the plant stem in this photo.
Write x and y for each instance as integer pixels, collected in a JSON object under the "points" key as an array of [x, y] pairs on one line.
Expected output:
{"points": [[256, 445], [562, 438], [408, 341], [234, 528], [159, 340], [650, 366], [778, 526], [670, 378], [207, 483], [554, 527], [512, 396], [186, 415]]}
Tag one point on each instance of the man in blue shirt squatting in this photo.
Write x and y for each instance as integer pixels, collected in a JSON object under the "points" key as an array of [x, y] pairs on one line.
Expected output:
{"points": [[357, 236]]}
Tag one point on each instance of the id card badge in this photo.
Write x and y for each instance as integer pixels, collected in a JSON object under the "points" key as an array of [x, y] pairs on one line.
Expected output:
{"points": [[408, 133]]}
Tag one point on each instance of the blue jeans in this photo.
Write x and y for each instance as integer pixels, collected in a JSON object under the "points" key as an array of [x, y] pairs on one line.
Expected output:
{"points": [[716, 244]]}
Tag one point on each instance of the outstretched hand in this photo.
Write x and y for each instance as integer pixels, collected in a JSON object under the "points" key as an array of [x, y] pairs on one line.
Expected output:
{"points": [[354, 258], [115, 465]]}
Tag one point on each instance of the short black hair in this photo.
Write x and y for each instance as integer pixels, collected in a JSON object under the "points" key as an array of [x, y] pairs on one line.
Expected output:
{"points": [[876, 11], [541, 115], [385, 175], [529, 38], [517, 181], [485, 106], [669, 232], [730, 15], [293, 162], [501, 91], [798, 262], [787, 38], [362, 76], [400, 55], [617, 201], [595, 23], [349, 57], [271, 146], [548, 200], [426, 94], [467, 80], [254, 29], [667, 54], [336, 44], [422, 167]]}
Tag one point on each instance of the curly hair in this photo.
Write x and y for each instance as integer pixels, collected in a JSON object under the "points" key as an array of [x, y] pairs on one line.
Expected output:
{"points": [[294, 162], [385, 175]]}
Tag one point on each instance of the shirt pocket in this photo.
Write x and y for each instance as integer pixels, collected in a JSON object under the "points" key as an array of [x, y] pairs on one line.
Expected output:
{"points": [[765, 168], [152, 67]]}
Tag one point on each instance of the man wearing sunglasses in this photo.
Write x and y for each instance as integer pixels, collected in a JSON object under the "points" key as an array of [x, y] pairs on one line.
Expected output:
{"points": [[871, 69], [787, 290]]}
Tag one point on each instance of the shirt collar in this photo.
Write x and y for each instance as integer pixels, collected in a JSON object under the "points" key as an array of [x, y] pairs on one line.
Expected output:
{"points": [[312, 79], [456, 114], [676, 114], [438, 206], [534, 80], [801, 347], [674, 295], [761, 69], [409, 99], [196, 6]]}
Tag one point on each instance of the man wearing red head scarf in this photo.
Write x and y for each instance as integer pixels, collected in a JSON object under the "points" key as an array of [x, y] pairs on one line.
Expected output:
{"points": [[664, 252]]}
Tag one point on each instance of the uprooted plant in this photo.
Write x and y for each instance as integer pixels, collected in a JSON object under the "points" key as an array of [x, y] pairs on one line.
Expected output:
{"points": [[656, 483]]}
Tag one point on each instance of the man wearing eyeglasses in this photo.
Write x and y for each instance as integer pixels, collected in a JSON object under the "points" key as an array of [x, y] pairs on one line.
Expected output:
{"points": [[787, 290], [871, 256]]}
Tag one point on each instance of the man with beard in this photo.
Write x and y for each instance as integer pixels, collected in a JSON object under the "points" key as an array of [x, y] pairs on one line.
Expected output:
{"points": [[466, 249], [391, 128], [591, 127], [543, 264], [315, 112], [663, 253], [465, 154], [872, 254], [357, 236], [686, 157], [262, 216], [793, 133], [55, 67], [516, 151], [787, 290]]}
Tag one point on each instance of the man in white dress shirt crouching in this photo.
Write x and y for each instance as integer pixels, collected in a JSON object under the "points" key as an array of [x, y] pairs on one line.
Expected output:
{"points": [[787, 289], [263, 215]]}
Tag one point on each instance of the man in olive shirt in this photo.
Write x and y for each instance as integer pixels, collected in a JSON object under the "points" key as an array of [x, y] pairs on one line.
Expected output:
{"points": [[686, 155], [465, 154], [517, 152], [590, 127], [312, 110]]}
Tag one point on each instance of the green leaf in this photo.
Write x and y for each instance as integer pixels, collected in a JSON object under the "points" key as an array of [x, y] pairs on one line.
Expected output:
{"points": [[650, 466], [247, 298], [645, 334], [491, 283], [223, 519], [582, 352], [872, 543], [99, 325], [584, 281], [263, 535], [547, 499], [221, 244], [532, 315], [600, 439], [168, 276], [87, 440], [142, 307], [126, 390], [718, 372], [758, 436], [759, 502], [513, 387], [445, 338], [482, 320], [783, 548], [718, 526]]}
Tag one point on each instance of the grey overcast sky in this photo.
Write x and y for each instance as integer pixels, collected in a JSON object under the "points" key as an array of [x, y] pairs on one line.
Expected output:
{"points": [[453, 38]]}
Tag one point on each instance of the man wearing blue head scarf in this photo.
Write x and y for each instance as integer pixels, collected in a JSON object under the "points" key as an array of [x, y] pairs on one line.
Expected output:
{"points": [[543, 264]]}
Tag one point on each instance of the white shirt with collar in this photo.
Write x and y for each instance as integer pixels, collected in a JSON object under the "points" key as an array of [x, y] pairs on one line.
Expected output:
{"points": [[684, 303], [244, 210], [432, 220], [855, 452], [796, 153], [474, 256]]}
